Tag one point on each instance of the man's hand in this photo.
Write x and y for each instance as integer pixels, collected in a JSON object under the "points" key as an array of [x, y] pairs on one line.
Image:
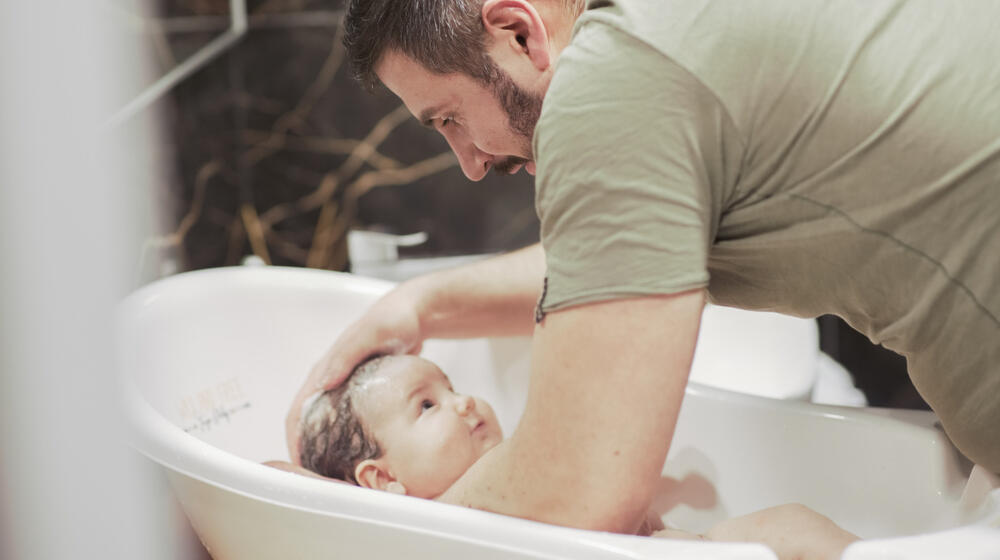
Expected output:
{"points": [[793, 531], [390, 326], [493, 297]]}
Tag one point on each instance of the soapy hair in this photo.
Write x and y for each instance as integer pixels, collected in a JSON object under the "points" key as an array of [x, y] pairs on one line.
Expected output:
{"points": [[445, 36], [334, 437]]}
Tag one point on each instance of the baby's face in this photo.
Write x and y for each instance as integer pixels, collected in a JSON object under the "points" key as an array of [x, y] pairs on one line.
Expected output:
{"points": [[429, 434]]}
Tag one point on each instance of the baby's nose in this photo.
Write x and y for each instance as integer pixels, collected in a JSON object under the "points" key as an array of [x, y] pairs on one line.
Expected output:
{"points": [[464, 404]]}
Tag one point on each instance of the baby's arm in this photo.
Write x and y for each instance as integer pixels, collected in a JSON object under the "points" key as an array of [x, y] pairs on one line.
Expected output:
{"points": [[793, 531]]}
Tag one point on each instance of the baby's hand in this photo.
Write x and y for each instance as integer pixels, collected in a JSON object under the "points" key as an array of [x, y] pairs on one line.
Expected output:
{"points": [[677, 534], [650, 525]]}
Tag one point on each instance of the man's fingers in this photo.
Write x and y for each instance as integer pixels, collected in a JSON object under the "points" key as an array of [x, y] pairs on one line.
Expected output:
{"points": [[337, 365], [334, 371]]}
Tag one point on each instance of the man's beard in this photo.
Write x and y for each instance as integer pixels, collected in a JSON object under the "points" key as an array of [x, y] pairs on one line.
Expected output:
{"points": [[523, 109]]}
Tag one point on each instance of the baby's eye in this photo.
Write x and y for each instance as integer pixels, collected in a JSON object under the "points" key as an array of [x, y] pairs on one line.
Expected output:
{"points": [[426, 404]]}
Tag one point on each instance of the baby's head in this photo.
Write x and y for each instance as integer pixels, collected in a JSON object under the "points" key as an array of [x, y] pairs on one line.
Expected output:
{"points": [[397, 425]]}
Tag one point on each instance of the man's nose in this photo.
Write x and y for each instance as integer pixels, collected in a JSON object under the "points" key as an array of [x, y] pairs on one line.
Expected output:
{"points": [[475, 163]]}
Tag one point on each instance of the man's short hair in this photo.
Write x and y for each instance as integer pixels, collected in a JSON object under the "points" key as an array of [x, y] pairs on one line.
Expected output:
{"points": [[445, 36]]}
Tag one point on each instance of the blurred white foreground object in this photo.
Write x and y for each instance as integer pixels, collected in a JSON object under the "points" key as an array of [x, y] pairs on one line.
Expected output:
{"points": [[71, 207]]}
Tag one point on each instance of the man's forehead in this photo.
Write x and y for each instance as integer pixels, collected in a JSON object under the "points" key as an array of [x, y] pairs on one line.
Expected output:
{"points": [[420, 89], [395, 68]]}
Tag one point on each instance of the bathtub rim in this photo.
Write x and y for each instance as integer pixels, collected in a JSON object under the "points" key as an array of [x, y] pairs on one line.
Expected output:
{"points": [[167, 445]]}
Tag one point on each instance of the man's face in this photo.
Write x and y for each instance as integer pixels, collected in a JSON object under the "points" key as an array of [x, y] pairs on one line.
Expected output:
{"points": [[485, 126], [430, 434]]}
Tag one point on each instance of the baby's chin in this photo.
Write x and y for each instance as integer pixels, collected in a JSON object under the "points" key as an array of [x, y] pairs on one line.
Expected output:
{"points": [[489, 432], [491, 444], [491, 440]]}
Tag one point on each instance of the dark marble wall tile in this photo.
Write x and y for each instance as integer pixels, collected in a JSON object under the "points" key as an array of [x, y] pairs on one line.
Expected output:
{"points": [[279, 152]]}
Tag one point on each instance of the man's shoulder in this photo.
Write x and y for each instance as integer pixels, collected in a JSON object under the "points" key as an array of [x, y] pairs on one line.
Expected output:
{"points": [[653, 23]]}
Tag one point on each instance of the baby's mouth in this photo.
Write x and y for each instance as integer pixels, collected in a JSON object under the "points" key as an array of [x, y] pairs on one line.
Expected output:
{"points": [[481, 424]]}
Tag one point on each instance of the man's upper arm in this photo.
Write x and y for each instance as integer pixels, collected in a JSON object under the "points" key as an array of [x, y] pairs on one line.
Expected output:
{"points": [[636, 162], [606, 386]]}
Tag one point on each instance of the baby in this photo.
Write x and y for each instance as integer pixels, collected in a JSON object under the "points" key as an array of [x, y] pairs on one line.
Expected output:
{"points": [[398, 425]]}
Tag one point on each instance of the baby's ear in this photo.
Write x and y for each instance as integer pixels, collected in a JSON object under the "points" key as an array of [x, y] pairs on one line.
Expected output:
{"points": [[370, 474]]}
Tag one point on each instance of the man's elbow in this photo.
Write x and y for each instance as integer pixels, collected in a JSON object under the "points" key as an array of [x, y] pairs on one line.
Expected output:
{"points": [[614, 510], [624, 517]]}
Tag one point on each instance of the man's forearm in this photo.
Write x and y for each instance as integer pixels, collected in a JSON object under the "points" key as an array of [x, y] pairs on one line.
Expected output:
{"points": [[493, 297]]}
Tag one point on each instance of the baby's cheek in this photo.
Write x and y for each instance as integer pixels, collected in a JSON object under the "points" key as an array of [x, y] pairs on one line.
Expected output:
{"points": [[455, 452]]}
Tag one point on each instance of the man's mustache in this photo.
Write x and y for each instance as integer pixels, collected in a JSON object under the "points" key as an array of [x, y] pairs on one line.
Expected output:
{"points": [[507, 165]]}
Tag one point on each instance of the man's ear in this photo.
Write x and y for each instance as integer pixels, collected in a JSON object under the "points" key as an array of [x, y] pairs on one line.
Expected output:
{"points": [[370, 474], [516, 24]]}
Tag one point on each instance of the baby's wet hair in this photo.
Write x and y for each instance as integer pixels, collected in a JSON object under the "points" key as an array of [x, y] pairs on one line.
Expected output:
{"points": [[334, 436]]}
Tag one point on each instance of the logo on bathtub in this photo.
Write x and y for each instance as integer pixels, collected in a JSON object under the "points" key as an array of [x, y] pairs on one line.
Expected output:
{"points": [[205, 410]]}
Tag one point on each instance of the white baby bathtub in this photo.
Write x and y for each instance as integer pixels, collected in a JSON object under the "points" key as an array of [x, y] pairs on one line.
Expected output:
{"points": [[211, 360]]}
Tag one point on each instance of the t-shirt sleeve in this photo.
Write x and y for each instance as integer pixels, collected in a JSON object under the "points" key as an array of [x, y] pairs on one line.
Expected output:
{"points": [[632, 166]]}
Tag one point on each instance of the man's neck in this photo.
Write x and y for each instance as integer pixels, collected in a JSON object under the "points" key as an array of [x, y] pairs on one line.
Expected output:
{"points": [[559, 19]]}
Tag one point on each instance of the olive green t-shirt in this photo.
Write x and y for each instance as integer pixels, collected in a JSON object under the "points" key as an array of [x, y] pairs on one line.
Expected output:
{"points": [[798, 156]]}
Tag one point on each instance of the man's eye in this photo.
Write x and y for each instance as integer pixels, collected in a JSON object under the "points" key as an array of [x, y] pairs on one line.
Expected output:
{"points": [[446, 121], [426, 404]]}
